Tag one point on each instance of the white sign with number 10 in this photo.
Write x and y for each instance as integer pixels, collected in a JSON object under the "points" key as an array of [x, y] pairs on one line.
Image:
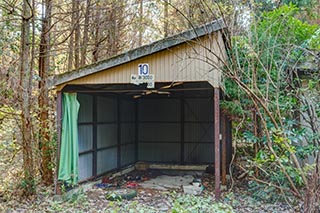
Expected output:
{"points": [[143, 76], [143, 69]]}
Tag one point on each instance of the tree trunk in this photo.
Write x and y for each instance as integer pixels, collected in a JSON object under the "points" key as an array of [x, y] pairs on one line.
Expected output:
{"points": [[312, 198], [166, 21], [114, 19], [96, 49], [44, 66], [25, 100], [190, 13], [84, 45], [76, 21], [140, 23], [71, 45]]}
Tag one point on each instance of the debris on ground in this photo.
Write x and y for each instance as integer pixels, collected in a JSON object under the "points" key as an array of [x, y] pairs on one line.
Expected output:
{"points": [[137, 191], [120, 194], [132, 185], [103, 185], [195, 188]]}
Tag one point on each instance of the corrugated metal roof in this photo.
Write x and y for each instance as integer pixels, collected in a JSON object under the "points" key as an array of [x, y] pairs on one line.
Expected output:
{"points": [[139, 52]]}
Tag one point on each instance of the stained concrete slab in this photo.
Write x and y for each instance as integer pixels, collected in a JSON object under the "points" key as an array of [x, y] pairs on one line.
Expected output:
{"points": [[164, 182]]}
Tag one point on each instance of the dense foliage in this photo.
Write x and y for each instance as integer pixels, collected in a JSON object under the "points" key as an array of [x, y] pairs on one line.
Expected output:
{"points": [[273, 89], [271, 81]]}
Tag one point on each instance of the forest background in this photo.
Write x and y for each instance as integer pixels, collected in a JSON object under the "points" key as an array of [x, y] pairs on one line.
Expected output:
{"points": [[275, 109]]}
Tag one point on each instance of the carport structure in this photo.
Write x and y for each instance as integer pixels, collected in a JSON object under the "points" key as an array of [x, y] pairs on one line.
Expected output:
{"points": [[176, 122]]}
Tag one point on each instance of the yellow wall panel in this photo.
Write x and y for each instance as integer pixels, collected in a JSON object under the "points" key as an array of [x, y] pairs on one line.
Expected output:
{"points": [[190, 61]]}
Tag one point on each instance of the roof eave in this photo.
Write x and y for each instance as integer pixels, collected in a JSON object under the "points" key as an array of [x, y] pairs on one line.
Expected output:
{"points": [[138, 52]]}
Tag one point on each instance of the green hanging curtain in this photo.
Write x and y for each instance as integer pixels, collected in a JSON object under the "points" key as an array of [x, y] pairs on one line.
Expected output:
{"points": [[69, 154]]}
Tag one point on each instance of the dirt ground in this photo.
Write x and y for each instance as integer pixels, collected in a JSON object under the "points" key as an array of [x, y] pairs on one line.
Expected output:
{"points": [[91, 197]]}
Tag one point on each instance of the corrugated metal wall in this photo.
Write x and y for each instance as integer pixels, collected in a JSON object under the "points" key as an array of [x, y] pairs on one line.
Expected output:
{"points": [[106, 128], [107, 133], [127, 132], [176, 130], [159, 127], [198, 130], [117, 130], [85, 134]]}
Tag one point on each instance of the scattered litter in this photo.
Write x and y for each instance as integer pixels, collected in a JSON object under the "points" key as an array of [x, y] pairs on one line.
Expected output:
{"points": [[120, 194], [131, 178], [195, 189], [132, 185], [106, 180], [223, 188], [103, 185], [145, 179], [197, 180]]}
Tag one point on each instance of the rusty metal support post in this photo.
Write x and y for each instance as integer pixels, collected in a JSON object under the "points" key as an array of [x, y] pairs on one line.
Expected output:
{"points": [[216, 99], [224, 150], [59, 119]]}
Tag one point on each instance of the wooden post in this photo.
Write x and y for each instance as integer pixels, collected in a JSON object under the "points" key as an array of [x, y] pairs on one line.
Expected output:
{"points": [[224, 151], [216, 99]]}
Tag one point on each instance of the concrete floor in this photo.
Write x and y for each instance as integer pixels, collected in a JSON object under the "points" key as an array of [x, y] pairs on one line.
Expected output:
{"points": [[164, 182]]}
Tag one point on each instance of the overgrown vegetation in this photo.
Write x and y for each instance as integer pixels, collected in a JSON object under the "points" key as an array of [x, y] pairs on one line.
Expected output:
{"points": [[271, 83], [272, 66], [81, 201], [190, 203]]}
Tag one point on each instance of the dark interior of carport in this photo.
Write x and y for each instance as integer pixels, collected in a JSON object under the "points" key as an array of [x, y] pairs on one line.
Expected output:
{"points": [[121, 124]]}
